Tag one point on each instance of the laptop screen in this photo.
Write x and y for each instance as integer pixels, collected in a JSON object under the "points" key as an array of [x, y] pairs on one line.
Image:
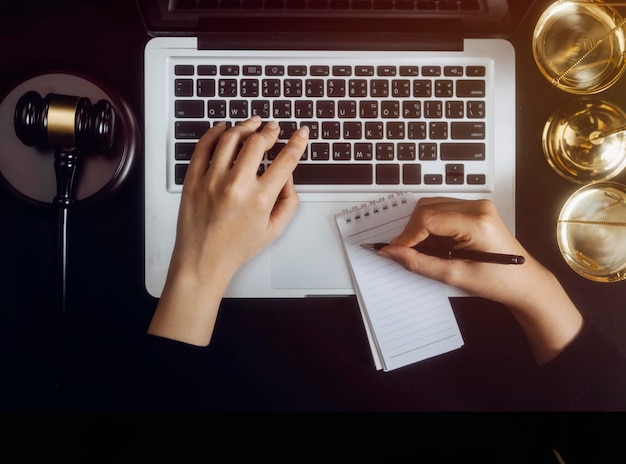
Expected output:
{"points": [[471, 18]]}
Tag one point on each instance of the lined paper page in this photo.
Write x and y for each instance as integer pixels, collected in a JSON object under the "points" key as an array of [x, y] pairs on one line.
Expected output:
{"points": [[410, 317]]}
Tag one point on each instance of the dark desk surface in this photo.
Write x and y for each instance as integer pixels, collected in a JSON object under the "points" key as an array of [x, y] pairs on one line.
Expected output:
{"points": [[271, 354]]}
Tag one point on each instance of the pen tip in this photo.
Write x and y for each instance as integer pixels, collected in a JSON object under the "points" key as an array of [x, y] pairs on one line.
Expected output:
{"points": [[369, 246]]}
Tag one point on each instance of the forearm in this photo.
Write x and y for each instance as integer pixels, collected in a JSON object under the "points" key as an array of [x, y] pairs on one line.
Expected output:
{"points": [[188, 307], [547, 315]]}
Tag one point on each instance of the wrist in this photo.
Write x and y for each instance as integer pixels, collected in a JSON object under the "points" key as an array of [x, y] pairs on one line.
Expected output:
{"points": [[189, 304]]}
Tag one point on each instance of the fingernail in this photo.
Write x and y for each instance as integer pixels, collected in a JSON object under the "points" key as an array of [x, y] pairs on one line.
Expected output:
{"points": [[273, 125], [255, 118], [303, 132]]}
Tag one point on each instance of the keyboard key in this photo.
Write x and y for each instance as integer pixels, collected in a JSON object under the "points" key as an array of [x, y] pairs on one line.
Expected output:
{"points": [[431, 71], [274, 70], [337, 173], [260, 108], [352, 130], [320, 151], [362, 151], [331, 130], [390, 109], [207, 70], [416, 130], [476, 109], [252, 70], [473, 88], [454, 109], [427, 151], [292, 88], [205, 87], [190, 129], [297, 70], [387, 174], [184, 70], [325, 109], [229, 70], [271, 87], [433, 179], [422, 88], [409, 70], [385, 151], [438, 130], [314, 88], [453, 71], [342, 151], [443, 88], [357, 88], [180, 171], [282, 109], [368, 109], [475, 71], [238, 109], [320, 70], [342, 70], [406, 151], [374, 130], [379, 88], [217, 109], [476, 179], [467, 130], [336, 88], [364, 70], [462, 151], [189, 108], [455, 174], [412, 174], [227, 88], [304, 109], [249, 88], [346, 109], [183, 150], [183, 87], [386, 70]]}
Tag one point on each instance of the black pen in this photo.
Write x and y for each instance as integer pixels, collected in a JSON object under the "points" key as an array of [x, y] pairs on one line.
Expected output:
{"points": [[451, 253]]}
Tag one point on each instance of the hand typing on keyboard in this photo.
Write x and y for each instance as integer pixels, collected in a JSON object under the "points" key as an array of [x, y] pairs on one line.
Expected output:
{"points": [[543, 309], [227, 214]]}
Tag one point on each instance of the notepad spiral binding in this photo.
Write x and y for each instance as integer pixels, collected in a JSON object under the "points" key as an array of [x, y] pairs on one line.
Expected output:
{"points": [[384, 203]]}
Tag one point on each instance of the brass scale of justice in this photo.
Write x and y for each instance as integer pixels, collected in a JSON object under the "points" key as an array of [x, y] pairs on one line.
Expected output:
{"points": [[580, 47]]}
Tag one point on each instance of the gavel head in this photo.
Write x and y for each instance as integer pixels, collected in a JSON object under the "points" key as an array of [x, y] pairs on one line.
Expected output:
{"points": [[64, 122]]}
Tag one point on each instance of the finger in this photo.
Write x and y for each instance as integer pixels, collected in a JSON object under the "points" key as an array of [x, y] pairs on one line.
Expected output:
{"points": [[438, 216], [285, 207], [452, 272], [287, 160], [201, 157], [253, 150], [230, 142]]}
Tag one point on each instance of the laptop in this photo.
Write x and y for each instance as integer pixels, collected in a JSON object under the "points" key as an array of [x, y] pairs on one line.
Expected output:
{"points": [[401, 96]]}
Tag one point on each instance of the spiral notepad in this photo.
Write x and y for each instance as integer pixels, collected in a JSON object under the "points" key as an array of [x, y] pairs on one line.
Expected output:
{"points": [[408, 318]]}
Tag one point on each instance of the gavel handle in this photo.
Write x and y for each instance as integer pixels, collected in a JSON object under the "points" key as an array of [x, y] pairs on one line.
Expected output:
{"points": [[65, 166]]}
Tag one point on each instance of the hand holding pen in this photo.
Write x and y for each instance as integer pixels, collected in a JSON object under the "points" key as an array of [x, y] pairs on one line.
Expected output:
{"points": [[479, 238], [532, 293]]}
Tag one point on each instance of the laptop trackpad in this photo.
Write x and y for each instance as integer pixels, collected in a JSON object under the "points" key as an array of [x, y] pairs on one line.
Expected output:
{"points": [[309, 253]]}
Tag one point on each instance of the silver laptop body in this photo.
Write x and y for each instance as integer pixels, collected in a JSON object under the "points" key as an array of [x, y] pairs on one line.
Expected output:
{"points": [[419, 101]]}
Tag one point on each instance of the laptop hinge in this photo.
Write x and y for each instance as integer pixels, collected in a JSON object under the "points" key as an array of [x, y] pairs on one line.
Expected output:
{"points": [[330, 34]]}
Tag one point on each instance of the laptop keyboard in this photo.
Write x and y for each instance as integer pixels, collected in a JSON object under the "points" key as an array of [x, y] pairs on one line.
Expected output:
{"points": [[398, 123]]}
